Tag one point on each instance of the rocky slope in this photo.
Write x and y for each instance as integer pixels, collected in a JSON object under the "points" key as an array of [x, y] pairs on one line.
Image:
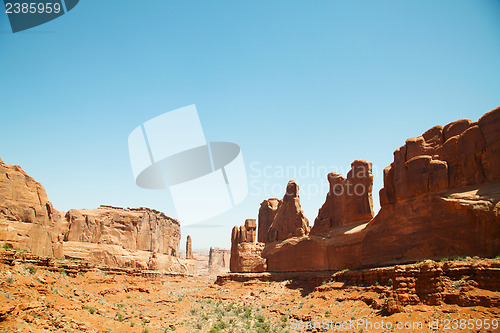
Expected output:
{"points": [[114, 236], [440, 199]]}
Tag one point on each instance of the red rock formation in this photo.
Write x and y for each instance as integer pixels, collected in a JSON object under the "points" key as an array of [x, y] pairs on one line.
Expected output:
{"points": [[27, 218], [348, 200], [440, 195], [189, 248], [218, 261], [134, 229], [441, 198], [267, 212], [289, 220], [245, 253], [108, 235]]}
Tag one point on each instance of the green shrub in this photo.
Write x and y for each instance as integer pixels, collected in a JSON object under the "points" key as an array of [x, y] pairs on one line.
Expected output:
{"points": [[119, 317], [32, 269], [229, 307], [247, 313], [260, 318], [218, 326], [91, 309]]}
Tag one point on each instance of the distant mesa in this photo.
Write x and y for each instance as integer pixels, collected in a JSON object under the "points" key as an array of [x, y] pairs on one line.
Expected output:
{"points": [[218, 260], [440, 200]]}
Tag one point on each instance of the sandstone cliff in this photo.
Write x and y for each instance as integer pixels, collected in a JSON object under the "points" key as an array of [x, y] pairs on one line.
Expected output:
{"points": [[132, 228], [245, 253], [121, 237], [27, 218], [440, 199], [441, 195]]}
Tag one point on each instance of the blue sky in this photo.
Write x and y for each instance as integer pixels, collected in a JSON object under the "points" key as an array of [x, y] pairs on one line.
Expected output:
{"points": [[294, 83]]}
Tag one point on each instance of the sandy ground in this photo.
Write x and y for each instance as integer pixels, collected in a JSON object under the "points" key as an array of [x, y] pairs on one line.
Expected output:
{"points": [[33, 299]]}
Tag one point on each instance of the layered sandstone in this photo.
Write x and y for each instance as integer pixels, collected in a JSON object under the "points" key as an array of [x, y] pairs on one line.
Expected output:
{"points": [[245, 253], [27, 218], [289, 220], [132, 228], [349, 200], [440, 199], [119, 237], [267, 212], [125, 237], [441, 195], [218, 260]]}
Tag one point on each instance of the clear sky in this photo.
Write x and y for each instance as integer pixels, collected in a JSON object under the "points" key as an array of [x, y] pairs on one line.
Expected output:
{"points": [[297, 84]]}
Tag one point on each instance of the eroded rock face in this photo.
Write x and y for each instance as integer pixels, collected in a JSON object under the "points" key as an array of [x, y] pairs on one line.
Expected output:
{"points": [[440, 194], [218, 261], [267, 212], [119, 237], [27, 218], [289, 220], [460, 154], [245, 253], [348, 200], [132, 228], [441, 198], [247, 258]]}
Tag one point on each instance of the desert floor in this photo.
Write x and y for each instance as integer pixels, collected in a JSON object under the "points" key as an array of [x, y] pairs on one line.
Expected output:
{"points": [[35, 299]]}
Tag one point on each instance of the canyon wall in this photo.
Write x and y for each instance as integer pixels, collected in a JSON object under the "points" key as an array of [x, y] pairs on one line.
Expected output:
{"points": [[441, 195], [27, 218], [114, 236], [440, 199]]}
